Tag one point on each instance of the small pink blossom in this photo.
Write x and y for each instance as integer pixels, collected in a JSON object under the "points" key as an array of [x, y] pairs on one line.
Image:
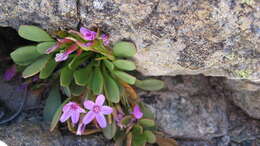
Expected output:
{"points": [[61, 57], [105, 39], [71, 110], [97, 111], [137, 112], [88, 34]]}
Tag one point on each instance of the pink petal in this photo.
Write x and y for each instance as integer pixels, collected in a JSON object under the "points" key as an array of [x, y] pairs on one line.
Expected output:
{"points": [[100, 100], [89, 104], [81, 110], [106, 110], [101, 120], [66, 107], [81, 128], [52, 49], [137, 112], [83, 30], [61, 57], [88, 34], [65, 116], [75, 117], [89, 117]]}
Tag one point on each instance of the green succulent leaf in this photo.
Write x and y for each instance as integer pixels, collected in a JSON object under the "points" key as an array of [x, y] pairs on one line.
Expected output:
{"points": [[43, 47], [110, 131], [125, 77], [66, 91], [34, 33], [97, 81], [76, 90], [48, 69], [150, 84], [139, 140], [150, 137], [78, 60], [124, 49], [137, 129], [56, 117], [111, 89], [147, 122], [52, 104], [125, 64], [109, 65], [35, 67], [82, 76], [147, 113], [66, 76], [25, 55]]}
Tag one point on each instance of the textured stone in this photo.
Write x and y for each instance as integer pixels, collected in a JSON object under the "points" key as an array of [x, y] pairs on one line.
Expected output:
{"points": [[191, 109], [216, 38], [246, 95], [28, 133]]}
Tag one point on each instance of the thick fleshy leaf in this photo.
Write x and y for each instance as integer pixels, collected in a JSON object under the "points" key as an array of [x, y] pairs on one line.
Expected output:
{"points": [[147, 122], [78, 60], [34, 33], [125, 77], [52, 104], [139, 140], [97, 81], [42, 47], [35, 67], [66, 76], [137, 129], [124, 49], [48, 69], [150, 84], [111, 89], [109, 65], [147, 113], [76, 90], [125, 64], [82, 76], [25, 55], [56, 117], [150, 137], [110, 131], [66, 91]]}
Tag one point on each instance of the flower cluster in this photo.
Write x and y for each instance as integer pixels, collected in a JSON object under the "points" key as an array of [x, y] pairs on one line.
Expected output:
{"points": [[96, 111], [86, 34]]}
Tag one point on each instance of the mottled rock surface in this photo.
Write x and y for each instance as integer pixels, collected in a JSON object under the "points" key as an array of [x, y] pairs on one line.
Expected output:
{"points": [[246, 95], [28, 133], [217, 38], [191, 109]]}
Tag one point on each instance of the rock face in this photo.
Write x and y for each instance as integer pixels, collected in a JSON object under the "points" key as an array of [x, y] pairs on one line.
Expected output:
{"points": [[216, 38], [29, 133], [246, 95], [195, 110]]}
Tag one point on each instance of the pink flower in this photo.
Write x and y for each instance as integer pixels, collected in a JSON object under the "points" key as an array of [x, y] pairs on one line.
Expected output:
{"points": [[81, 128], [105, 39], [88, 34], [10, 73], [73, 110], [61, 57], [57, 45], [137, 112], [64, 56], [97, 111]]}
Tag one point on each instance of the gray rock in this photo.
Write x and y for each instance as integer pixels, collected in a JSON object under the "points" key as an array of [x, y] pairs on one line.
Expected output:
{"points": [[246, 95], [28, 133], [193, 111], [49, 14], [216, 38]]}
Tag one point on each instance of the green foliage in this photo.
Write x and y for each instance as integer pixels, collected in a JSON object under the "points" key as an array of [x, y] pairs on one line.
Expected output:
{"points": [[86, 68], [35, 67], [124, 49], [34, 33], [52, 104]]}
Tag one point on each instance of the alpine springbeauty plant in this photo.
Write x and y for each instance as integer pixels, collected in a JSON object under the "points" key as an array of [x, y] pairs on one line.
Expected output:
{"points": [[90, 87]]}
